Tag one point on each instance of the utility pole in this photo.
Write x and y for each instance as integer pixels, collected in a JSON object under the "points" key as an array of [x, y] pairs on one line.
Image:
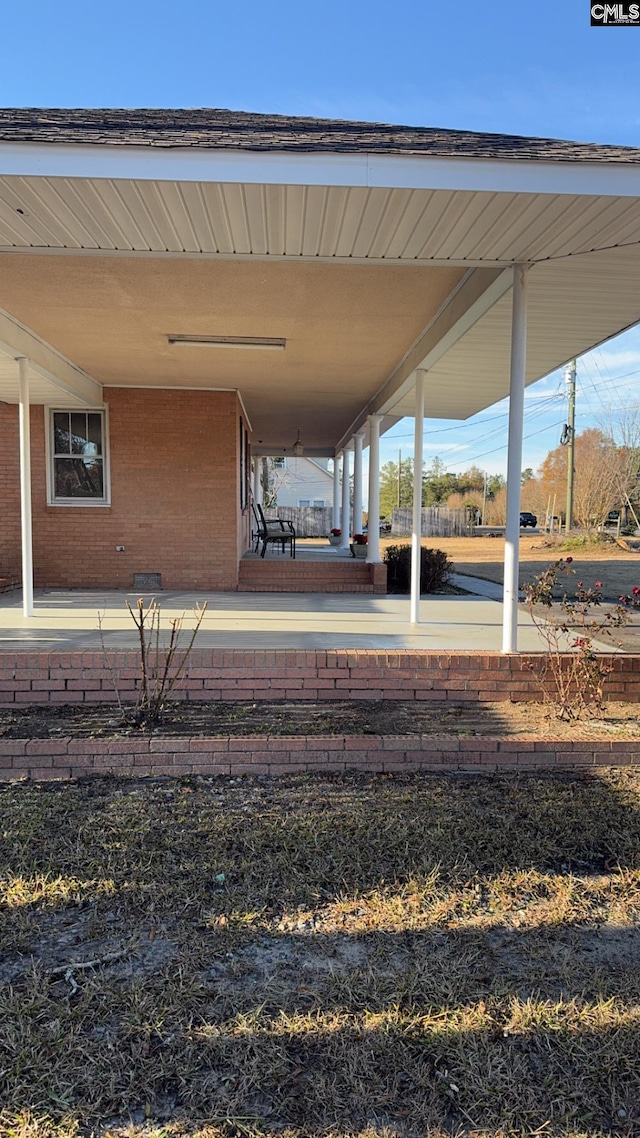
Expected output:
{"points": [[569, 439], [399, 476]]}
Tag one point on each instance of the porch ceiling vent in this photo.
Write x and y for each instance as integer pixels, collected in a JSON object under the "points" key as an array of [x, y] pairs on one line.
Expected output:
{"points": [[264, 343], [147, 581]]}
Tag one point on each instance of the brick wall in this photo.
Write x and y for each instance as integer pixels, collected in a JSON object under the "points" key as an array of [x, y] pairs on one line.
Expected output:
{"points": [[292, 754], [235, 674], [174, 459], [10, 555]]}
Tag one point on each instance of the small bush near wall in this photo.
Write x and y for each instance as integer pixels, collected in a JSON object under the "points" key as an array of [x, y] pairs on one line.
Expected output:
{"points": [[435, 569]]}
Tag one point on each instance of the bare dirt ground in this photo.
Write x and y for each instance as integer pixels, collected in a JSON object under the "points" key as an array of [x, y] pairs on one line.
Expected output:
{"points": [[340, 717]]}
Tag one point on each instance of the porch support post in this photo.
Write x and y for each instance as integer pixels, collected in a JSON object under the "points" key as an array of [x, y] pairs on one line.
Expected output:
{"points": [[336, 491], [357, 481], [373, 531], [25, 489], [514, 459], [418, 461], [256, 480], [344, 544]]}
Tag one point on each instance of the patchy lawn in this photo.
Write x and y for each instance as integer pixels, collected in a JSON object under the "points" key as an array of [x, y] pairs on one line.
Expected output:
{"points": [[354, 955]]}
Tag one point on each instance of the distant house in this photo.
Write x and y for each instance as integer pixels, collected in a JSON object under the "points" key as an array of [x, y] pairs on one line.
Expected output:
{"points": [[300, 481]]}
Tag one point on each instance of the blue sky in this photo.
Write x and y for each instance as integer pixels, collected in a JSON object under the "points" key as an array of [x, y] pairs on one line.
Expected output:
{"points": [[534, 68]]}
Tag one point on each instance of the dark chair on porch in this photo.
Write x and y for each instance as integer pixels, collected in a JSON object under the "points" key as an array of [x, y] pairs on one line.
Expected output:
{"points": [[274, 531]]}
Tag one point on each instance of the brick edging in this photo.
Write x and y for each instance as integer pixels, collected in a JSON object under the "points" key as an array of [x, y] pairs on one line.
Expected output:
{"points": [[65, 758], [28, 677]]}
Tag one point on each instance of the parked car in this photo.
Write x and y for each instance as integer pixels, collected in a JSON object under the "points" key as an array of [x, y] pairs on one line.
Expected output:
{"points": [[528, 519]]}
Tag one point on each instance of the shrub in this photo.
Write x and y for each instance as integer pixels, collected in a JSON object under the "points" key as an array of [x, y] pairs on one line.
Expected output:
{"points": [[161, 664], [574, 670], [435, 569]]}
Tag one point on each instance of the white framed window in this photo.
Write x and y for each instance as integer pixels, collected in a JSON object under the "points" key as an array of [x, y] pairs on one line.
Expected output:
{"points": [[77, 458]]}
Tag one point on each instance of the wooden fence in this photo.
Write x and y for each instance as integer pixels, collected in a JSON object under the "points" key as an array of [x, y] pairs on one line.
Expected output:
{"points": [[308, 521], [316, 521], [436, 522]]}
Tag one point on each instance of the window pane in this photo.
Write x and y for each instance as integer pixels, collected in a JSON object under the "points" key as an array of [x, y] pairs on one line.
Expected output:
{"points": [[78, 432], [61, 435], [78, 478], [95, 432]]}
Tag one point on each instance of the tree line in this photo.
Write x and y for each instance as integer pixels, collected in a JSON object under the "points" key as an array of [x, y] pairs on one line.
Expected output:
{"points": [[440, 487], [606, 478]]}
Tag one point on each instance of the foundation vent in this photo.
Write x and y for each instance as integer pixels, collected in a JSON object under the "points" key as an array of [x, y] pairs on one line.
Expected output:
{"points": [[147, 581]]}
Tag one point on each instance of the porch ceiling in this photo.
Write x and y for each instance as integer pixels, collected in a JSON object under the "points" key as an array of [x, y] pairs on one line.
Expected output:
{"points": [[346, 327], [368, 264]]}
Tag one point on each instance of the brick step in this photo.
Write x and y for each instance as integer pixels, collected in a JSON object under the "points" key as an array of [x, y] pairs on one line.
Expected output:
{"points": [[289, 576], [309, 586]]}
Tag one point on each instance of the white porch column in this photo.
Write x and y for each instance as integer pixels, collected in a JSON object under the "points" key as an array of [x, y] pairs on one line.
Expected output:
{"points": [[416, 529], [336, 492], [514, 459], [357, 481], [256, 480], [344, 544], [25, 489], [373, 542]]}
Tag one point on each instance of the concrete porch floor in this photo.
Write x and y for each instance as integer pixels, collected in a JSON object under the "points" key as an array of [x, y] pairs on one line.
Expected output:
{"points": [[68, 619], [307, 549]]}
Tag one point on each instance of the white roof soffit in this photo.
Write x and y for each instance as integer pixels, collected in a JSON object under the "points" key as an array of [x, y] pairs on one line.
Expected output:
{"points": [[570, 302], [388, 209], [53, 379]]}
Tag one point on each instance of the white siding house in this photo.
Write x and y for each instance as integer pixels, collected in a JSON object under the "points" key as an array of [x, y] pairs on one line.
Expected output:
{"points": [[302, 481]]}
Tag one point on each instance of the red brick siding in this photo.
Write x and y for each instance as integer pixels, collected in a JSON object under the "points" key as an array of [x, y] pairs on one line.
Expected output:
{"points": [[10, 555], [174, 496]]}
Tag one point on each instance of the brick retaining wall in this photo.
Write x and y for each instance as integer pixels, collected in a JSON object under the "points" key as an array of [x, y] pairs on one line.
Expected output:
{"points": [[236, 674], [161, 755]]}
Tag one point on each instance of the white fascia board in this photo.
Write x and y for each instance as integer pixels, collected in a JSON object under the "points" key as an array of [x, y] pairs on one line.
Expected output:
{"points": [[17, 340], [279, 168]]}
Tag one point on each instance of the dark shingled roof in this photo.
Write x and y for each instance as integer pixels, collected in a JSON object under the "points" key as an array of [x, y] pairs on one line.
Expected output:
{"points": [[206, 128]]}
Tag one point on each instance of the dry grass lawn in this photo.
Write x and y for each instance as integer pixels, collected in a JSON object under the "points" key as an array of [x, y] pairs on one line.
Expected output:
{"points": [[321, 956]]}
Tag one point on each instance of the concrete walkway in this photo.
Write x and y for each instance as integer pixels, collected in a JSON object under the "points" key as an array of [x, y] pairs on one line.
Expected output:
{"points": [[69, 620]]}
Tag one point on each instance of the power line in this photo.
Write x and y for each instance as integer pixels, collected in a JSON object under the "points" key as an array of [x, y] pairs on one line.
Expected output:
{"points": [[474, 457], [539, 408]]}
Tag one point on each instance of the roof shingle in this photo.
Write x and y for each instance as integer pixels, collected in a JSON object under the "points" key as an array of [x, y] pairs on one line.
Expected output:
{"points": [[206, 128]]}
